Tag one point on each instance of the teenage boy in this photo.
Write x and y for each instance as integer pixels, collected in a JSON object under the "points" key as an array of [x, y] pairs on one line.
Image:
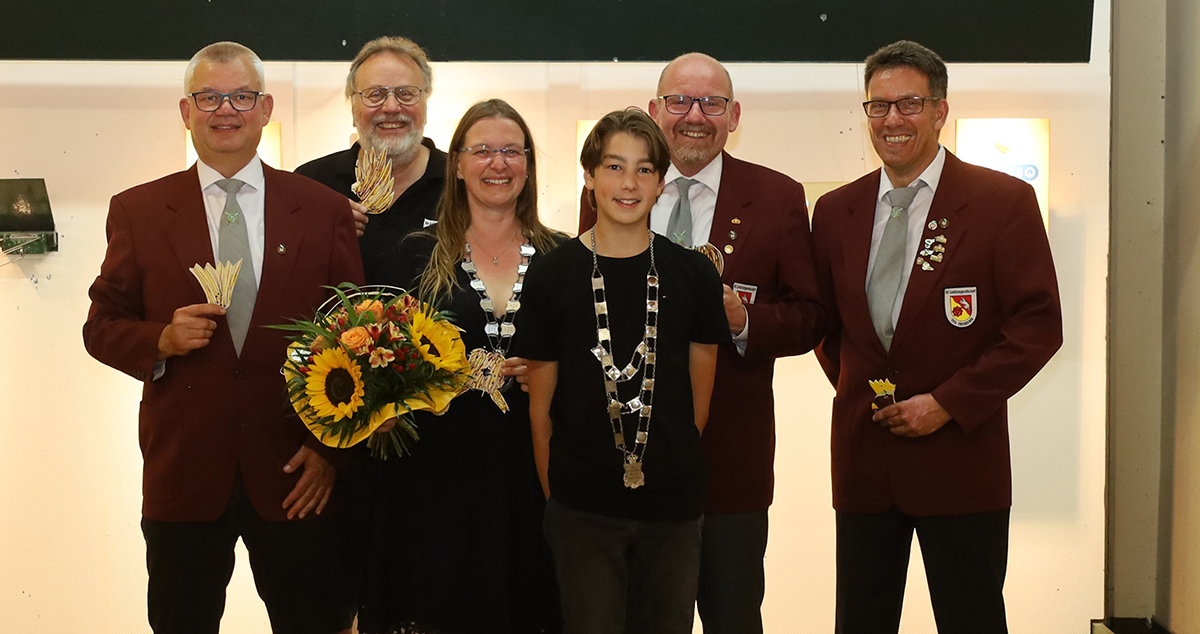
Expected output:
{"points": [[621, 331]]}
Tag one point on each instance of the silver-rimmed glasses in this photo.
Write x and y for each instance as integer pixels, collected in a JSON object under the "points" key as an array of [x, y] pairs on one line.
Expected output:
{"points": [[375, 96], [484, 152], [211, 100]]}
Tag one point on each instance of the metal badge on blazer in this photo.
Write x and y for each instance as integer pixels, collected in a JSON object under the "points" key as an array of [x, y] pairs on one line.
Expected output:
{"points": [[746, 292], [961, 308]]}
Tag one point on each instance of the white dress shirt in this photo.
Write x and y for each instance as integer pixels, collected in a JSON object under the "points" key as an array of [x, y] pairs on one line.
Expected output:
{"points": [[918, 212], [250, 198], [702, 196], [703, 199]]}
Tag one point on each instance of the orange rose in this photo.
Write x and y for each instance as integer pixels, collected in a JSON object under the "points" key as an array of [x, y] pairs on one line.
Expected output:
{"points": [[357, 339], [373, 306]]}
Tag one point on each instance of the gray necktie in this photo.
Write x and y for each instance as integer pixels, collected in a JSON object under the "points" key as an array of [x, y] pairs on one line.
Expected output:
{"points": [[889, 263], [679, 225], [234, 245]]}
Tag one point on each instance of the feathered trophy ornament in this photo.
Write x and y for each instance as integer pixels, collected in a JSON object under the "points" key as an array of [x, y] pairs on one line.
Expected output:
{"points": [[713, 254], [218, 281], [375, 186]]}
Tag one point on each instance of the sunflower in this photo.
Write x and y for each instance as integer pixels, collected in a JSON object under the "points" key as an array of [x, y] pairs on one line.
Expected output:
{"points": [[438, 342], [334, 385]]}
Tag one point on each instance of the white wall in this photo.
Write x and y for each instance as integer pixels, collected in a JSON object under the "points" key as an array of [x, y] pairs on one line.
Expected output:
{"points": [[74, 557]]}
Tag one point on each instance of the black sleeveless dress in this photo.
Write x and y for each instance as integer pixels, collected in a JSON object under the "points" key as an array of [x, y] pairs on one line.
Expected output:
{"points": [[456, 543]]}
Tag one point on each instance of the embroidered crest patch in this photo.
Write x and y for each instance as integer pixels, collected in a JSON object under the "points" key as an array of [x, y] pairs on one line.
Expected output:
{"points": [[961, 308]]}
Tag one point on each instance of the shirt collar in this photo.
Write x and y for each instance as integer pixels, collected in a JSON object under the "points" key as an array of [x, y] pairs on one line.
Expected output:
{"points": [[710, 176], [932, 175], [251, 174], [435, 169]]}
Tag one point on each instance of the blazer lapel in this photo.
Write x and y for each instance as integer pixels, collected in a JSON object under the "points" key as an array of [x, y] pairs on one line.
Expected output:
{"points": [[947, 232], [856, 247], [731, 217], [283, 233], [187, 229]]}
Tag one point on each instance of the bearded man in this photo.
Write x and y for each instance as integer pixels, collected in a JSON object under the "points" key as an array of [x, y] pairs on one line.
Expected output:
{"points": [[388, 87]]}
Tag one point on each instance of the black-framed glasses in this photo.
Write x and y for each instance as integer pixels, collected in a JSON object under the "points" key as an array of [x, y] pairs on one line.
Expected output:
{"points": [[909, 105], [484, 152], [711, 105], [375, 96], [211, 100]]}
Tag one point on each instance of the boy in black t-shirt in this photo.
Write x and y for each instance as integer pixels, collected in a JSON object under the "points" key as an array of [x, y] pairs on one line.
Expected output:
{"points": [[621, 332]]}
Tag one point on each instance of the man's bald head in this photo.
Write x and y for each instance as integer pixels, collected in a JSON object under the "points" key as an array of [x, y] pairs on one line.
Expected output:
{"points": [[700, 84], [690, 64]]}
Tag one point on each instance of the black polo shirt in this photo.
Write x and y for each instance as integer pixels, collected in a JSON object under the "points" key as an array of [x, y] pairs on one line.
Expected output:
{"points": [[415, 209]]}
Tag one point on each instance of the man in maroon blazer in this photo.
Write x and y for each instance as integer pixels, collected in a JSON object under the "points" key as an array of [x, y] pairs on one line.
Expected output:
{"points": [[224, 456], [758, 219], [945, 294]]}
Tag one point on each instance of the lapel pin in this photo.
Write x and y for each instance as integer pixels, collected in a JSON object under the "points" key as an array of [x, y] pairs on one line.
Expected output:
{"points": [[932, 225], [736, 221], [920, 260], [925, 266], [728, 249], [941, 239], [926, 252], [937, 248], [733, 235], [943, 223], [929, 242], [936, 257], [281, 249]]}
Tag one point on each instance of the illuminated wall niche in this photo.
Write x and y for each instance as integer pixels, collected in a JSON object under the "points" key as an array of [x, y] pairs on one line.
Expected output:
{"points": [[1018, 147]]}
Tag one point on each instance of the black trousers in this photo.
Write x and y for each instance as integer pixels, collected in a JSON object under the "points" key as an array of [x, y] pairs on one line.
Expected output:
{"points": [[190, 564], [623, 576], [732, 580], [965, 557]]}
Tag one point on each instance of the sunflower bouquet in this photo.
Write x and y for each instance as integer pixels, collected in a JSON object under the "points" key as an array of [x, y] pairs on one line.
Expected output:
{"points": [[368, 356]]}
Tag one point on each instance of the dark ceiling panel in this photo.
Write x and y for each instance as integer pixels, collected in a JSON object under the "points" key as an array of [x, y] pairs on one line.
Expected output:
{"points": [[554, 30]]}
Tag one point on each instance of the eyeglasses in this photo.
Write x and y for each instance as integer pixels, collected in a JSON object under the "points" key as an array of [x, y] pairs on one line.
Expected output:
{"points": [[484, 154], [682, 104], [375, 96], [210, 101], [908, 105]]}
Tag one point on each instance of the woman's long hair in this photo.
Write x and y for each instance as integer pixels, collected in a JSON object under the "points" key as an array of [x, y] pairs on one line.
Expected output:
{"points": [[454, 215]]}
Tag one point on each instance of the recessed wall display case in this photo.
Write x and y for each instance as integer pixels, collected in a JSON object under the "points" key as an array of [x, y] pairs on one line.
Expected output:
{"points": [[26, 225]]}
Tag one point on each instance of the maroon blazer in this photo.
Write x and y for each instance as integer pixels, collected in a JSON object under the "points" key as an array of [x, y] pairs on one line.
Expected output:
{"points": [[772, 251], [994, 242], [213, 414]]}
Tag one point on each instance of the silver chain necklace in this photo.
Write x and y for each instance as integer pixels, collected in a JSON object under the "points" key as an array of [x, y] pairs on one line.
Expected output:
{"points": [[643, 359], [486, 363]]}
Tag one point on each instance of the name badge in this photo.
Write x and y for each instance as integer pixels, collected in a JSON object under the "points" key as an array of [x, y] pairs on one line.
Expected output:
{"points": [[745, 292]]}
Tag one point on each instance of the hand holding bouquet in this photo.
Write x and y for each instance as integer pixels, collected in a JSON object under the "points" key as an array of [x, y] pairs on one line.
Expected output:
{"points": [[373, 355]]}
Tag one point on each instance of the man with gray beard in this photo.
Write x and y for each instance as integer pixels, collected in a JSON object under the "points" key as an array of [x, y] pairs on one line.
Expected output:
{"points": [[388, 87]]}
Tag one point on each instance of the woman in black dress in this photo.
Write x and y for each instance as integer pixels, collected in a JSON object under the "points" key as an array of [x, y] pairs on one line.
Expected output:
{"points": [[456, 545]]}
